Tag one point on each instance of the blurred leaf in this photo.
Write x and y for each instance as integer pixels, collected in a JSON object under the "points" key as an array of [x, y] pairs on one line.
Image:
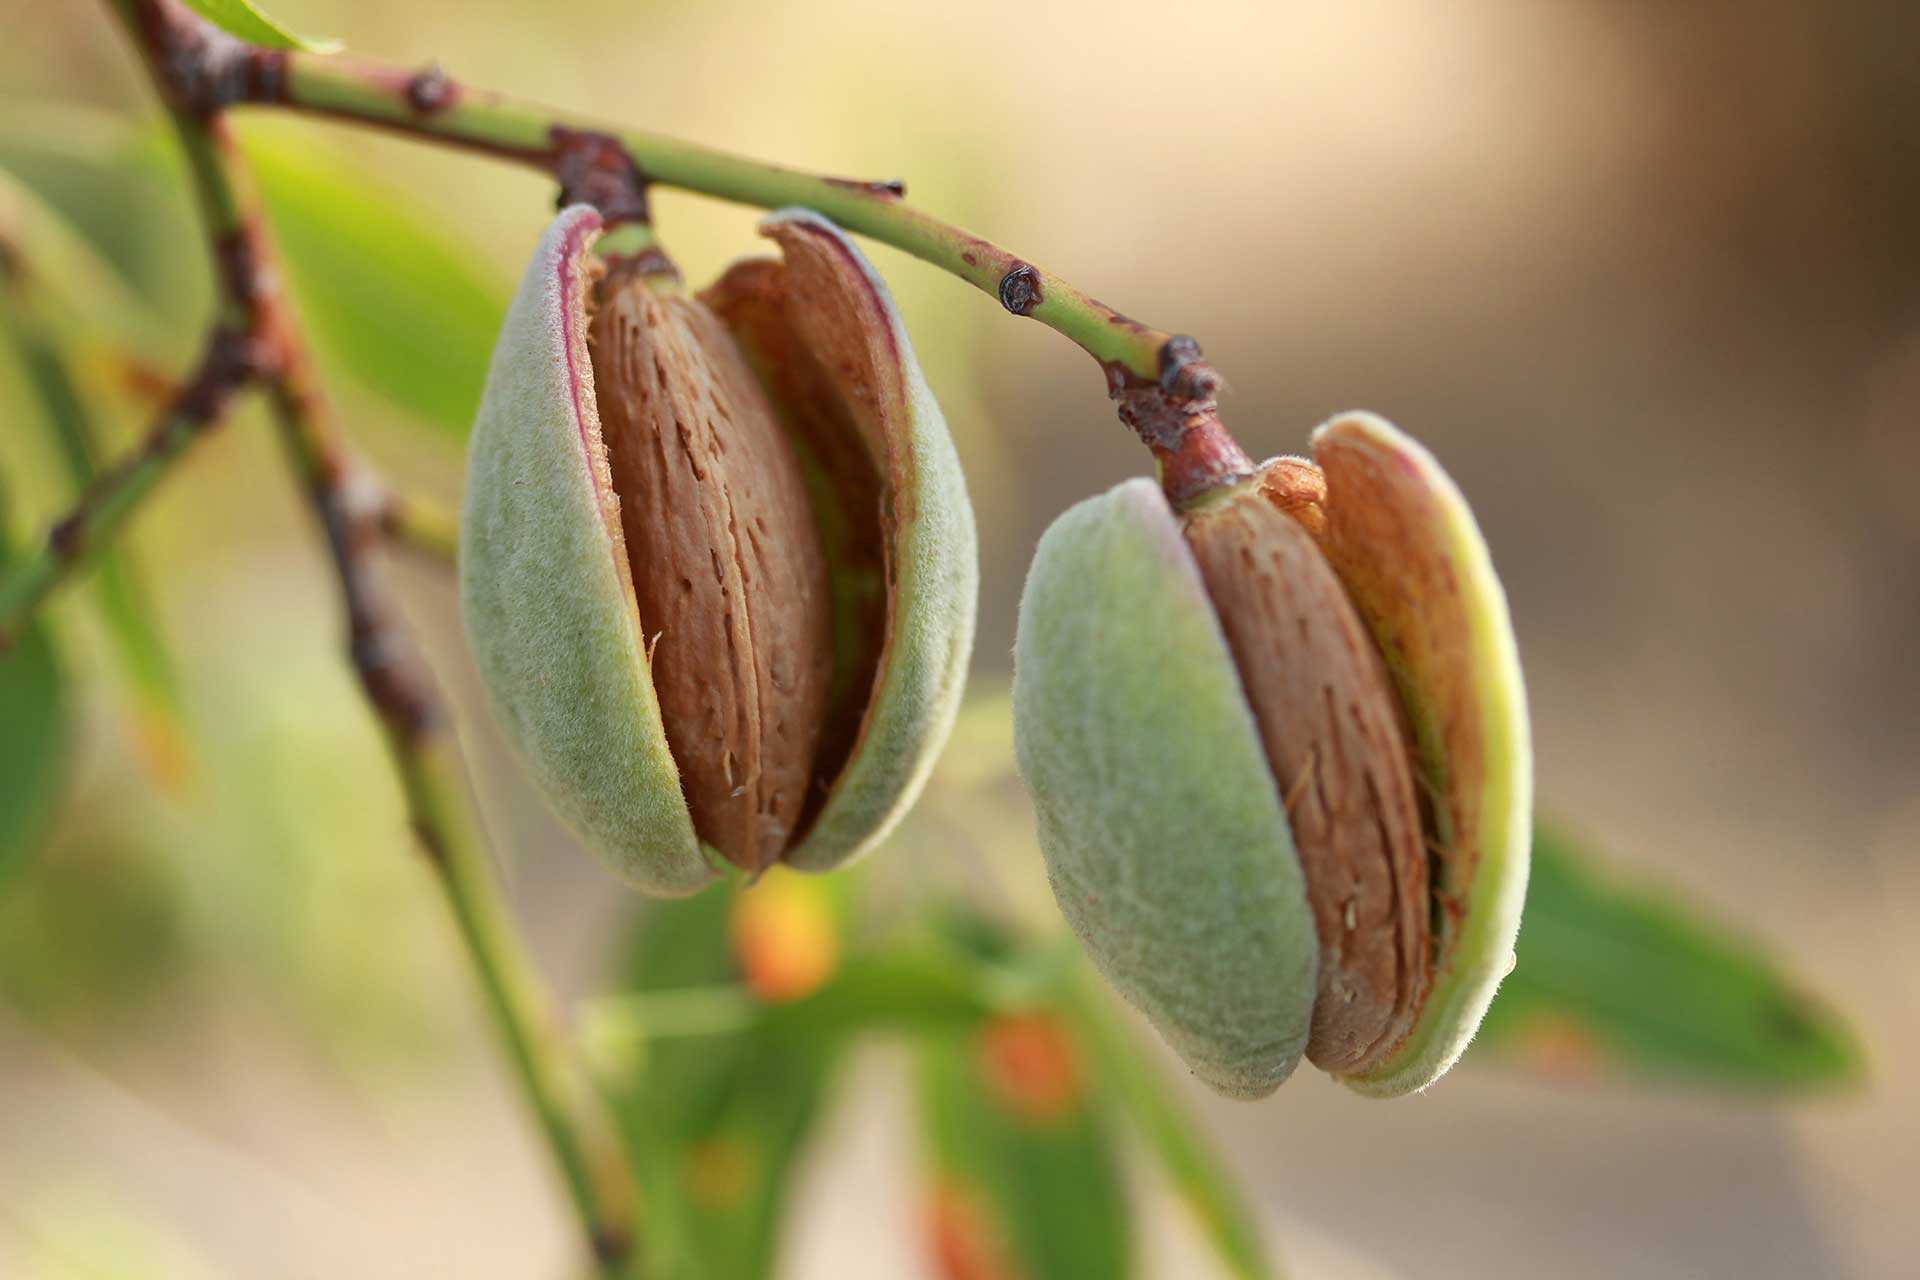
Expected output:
{"points": [[34, 749], [91, 929], [244, 19], [1052, 974], [56, 267], [904, 988], [120, 186], [44, 333], [1026, 1177], [36, 740], [66, 1225], [1614, 978], [718, 1122], [1122, 1072], [735, 1174], [391, 292], [901, 989]]}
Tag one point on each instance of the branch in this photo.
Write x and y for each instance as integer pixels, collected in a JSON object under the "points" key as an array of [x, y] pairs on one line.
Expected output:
{"points": [[186, 57], [353, 511], [428, 105]]}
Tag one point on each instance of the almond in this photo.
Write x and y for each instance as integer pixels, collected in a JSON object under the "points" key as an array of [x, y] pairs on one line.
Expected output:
{"points": [[1330, 724], [728, 573]]}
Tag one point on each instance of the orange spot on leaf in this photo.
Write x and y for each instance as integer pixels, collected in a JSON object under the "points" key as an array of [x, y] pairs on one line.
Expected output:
{"points": [[966, 1241], [1032, 1066]]}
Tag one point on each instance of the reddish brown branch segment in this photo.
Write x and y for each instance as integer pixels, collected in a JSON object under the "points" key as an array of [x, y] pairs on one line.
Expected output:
{"points": [[199, 68], [596, 169], [1178, 418], [352, 508]]}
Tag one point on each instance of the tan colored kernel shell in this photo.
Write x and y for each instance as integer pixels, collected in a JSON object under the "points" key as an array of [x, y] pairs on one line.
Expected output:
{"points": [[1406, 546], [729, 577], [1332, 730], [909, 497]]}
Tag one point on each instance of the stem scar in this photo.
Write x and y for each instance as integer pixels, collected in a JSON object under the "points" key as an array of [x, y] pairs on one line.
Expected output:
{"points": [[1020, 290], [890, 189], [430, 90]]}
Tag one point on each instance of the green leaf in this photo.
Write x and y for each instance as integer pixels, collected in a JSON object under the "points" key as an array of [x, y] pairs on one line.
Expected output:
{"points": [[120, 186], [34, 749], [1026, 1176], [1140, 1093], [718, 1122], [1052, 973], [736, 1171], [901, 989], [36, 744], [391, 293], [1618, 979], [48, 330], [244, 19]]}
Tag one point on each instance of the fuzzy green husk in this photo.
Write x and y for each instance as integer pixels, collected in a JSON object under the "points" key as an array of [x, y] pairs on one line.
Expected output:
{"points": [[549, 613], [1164, 833]]}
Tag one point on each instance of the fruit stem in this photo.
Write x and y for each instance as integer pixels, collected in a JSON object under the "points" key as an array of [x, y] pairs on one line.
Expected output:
{"points": [[431, 106], [1177, 416]]}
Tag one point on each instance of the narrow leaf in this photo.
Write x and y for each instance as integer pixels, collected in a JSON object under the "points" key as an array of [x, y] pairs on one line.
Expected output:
{"points": [[720, 1121], [736, 1172], [46, 329], [1619, 979], [122, 187], [1025, 1173], [35, 735], [393, 295], [1139, 1092], [244, 19]]}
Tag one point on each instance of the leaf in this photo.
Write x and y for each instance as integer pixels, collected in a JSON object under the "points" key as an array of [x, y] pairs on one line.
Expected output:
{"points": [[122, 187], [34, 749], [46, 329], [1051, 973], [1613, 978], [393, 296], [1140, 1093], [718, 1122], [244, 19], [735, 1172], [904, 988], [36, 745], [1025, 1174], [390, 292]]}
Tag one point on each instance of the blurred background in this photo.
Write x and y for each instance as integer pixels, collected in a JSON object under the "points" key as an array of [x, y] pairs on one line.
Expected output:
{"points": [[1644, 276]]}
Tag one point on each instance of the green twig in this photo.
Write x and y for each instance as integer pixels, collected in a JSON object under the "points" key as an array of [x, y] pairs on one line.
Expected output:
{"points": [[427, 104], [1166, 392], [416, 524]]}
